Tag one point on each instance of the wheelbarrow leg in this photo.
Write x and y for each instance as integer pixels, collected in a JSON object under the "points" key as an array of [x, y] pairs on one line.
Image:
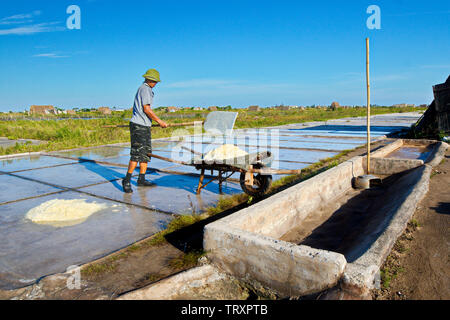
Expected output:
{"points": [[200, 182]]}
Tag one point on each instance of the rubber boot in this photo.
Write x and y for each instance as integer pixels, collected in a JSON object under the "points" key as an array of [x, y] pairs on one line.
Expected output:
{"points": [[144, 183], [126, 184]]}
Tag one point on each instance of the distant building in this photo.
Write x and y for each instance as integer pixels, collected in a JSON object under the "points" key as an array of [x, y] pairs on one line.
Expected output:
{"points": [[254, 108], [105, 110], [42, 110], [335, 105], [283, 108], [213, 108], [172, 109], [197, 108], [72, 112], [403, 105]]}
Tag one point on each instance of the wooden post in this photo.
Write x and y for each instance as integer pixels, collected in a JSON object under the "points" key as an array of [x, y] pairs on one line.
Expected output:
{"points": [[368, 105], [200, 182]]}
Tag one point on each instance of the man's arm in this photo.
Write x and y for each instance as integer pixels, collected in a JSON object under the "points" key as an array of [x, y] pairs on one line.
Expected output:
{"points": [[149, 112]]}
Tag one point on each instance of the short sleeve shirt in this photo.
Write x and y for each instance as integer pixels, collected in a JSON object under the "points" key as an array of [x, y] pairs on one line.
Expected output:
{"points": [[144, 96]]}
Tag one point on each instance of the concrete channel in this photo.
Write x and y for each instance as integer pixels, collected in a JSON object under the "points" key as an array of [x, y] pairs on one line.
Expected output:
{"points": [[319, 236], [29, 251]]}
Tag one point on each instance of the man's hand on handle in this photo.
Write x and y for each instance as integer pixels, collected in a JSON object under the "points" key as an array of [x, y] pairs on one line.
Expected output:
{"points": [[163, 124]]}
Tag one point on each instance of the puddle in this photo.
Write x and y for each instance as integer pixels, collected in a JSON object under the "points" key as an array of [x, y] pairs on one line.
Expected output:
{"points": [[410, 152]]}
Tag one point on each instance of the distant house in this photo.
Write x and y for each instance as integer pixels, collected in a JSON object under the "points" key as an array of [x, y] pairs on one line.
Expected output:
{"points": [[72, 112], [335, 105], [197, 108], [42, 110], [283, 108], [105, 110], [213, 108], [254, 108], [403, 105], [172, 109]]}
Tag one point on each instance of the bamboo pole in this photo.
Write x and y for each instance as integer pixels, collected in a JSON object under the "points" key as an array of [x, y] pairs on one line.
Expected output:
{"points": [[368, 105]]}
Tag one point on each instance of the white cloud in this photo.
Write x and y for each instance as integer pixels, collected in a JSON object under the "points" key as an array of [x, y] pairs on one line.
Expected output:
{"points": [[26, 20], [49, 55], [20, 18], [32, 29], [9, 22]]}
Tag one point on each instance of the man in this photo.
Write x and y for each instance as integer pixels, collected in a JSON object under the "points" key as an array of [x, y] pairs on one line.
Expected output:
{"points": [[140, 130]]}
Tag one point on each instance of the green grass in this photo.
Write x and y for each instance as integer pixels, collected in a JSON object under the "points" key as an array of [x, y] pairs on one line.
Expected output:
{"points": [[73, 133], [188, 260], [414, 224], [389, 273]]}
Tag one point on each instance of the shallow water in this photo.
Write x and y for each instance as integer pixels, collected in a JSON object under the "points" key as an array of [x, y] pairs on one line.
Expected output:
{"points": [[410, 152]]}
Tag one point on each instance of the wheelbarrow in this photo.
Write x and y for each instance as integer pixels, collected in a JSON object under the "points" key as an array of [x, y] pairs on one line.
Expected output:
{"points": [[255, 172]]}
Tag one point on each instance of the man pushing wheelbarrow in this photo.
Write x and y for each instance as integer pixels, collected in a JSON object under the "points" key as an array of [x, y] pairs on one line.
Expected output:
{"points": [[140, 130]]}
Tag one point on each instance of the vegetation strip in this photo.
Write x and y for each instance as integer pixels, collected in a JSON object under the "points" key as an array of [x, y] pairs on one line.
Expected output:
{"points": [[74, 133]]}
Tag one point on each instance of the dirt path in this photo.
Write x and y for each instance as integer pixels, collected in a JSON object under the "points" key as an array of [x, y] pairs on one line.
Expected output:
{"points": [[418, 267]]}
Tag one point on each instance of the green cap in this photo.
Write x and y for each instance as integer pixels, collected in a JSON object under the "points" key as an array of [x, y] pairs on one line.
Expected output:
{"points": [[153, 75]]}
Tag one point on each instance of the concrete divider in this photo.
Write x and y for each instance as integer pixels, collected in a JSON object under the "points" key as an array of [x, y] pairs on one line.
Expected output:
{"points": [[178, 286], [246, 244], [275, 216], [360, 276], [437, 154], [385, 166], [382, 152], [289, 269]]}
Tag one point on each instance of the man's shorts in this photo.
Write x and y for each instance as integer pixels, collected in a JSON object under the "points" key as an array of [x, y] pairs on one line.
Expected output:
{"points": [[141, 142]]}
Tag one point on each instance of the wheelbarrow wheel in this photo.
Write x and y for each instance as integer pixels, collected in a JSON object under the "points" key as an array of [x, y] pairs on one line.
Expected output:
{"points": [[261, 183]]}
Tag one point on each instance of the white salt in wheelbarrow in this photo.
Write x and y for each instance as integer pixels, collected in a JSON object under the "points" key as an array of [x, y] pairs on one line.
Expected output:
{"points": [[256, 174]]}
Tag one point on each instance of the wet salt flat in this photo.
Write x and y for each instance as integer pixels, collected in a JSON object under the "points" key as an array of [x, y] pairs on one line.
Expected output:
{"points": [[29, 251]]}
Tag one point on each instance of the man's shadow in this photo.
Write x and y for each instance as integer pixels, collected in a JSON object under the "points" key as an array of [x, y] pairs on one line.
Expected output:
{"points": [[105, 172]]}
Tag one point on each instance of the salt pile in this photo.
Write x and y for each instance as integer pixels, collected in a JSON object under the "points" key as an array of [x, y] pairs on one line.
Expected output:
{"points": [[225, 152], [64, 212]]}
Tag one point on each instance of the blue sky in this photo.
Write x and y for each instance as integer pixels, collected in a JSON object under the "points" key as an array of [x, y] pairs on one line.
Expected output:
{"points": [[218, 52]]}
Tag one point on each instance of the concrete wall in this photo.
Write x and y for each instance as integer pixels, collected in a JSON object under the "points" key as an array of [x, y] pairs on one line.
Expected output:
{"points": [[360, 275], [383, 166], [289, 269], [246, 243], [276, 215]]}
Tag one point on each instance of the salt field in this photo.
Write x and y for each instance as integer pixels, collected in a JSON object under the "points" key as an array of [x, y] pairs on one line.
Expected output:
{"points": [[29, 251]]}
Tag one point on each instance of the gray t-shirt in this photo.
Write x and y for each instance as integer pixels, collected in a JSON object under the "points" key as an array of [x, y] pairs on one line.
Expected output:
{"points": [[143, 97]]}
